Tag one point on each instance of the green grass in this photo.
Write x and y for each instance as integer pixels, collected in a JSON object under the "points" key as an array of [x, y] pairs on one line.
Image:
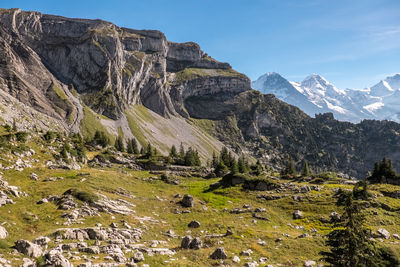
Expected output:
{"points": [[155, 198], [91, 123], [194, 73]]}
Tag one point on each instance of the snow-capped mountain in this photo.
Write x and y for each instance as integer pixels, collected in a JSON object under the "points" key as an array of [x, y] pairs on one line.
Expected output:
{"points": [[317, 95]]}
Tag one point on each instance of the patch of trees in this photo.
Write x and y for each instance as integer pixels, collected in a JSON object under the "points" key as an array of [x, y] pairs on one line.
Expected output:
{"points": [[384, 172], [190, 157]]}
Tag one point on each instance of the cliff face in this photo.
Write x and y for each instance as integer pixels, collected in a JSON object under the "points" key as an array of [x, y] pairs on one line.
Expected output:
{"points": [[64, 73], [110, 67]]}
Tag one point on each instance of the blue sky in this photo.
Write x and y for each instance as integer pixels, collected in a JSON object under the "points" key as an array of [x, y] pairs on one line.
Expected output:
{"points": [[351, 43]]}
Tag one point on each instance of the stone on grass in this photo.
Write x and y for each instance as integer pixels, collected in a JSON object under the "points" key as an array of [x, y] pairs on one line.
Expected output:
{"points": [[218, 254], [28, 248], [297, 214], [3, 232], [196, 243], [187, 201], [194, 224], [186, 241], [384, 233]]}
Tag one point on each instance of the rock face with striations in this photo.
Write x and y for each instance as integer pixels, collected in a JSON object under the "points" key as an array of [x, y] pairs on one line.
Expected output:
{"points": [[109, 66]]}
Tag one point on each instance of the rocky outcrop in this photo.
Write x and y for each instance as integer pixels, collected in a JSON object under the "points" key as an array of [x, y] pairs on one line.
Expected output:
{"points": [[108, 66]]}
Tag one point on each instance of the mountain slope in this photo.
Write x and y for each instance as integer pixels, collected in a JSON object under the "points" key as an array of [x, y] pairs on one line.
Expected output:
{"points": [[78, 75]]}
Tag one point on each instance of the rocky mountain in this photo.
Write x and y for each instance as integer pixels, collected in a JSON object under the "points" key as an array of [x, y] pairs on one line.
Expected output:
{"points": [[316, 95], [80, 75]]}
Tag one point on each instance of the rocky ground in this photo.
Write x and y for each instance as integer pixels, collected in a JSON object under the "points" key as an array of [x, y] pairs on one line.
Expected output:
{"points": [[117, 214]]}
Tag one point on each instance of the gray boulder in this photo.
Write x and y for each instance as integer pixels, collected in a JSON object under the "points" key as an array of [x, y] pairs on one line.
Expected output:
{"points": [[187, 201], [138, 256], [297, 214], [196, 243], [309, 263], [194, 224], [186, 241], [383, 233], [28, 248], [219, 254], [54, 258]]}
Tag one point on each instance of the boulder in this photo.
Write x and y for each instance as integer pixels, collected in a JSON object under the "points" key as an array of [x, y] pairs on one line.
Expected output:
{"points": [[138, 256], [56, 259], [309, 263], [194, 224], [247, 253], [219, 254], [186, 240], [236, 259], [187, 201], [396, 236], [41, 240], [28, 248], [335, 217], [251, 264], [383, 233], [34, 176], [297, 214], [196, 243], [3, 232]]}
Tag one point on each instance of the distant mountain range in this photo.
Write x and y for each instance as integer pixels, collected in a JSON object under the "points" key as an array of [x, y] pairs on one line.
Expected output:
{"points": [[316, 95]]}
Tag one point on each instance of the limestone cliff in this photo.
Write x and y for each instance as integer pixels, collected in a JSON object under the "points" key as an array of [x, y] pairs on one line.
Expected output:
{"points": [[111, 67]]}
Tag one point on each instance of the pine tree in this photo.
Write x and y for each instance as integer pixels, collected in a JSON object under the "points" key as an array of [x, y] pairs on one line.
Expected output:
{"points": [[234, 167], [290, 168], [224, 155], [306, 170], [221, 169], [134, 145], [129, 147], [173, 153], [243, 165], [349, 243], [142, 150], [259, 169], [215, 160], [182, 152], [149, 151], [119, 144], [14, 127]]}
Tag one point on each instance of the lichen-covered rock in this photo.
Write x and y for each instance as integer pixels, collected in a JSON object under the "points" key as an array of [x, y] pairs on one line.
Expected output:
{"points": [[28, 248]]}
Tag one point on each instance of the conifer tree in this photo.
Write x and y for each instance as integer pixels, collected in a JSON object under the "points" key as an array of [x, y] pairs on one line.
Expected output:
{"points": [[306, 170], [215, 160], [119, 144], [129, 147], [182, 152], [350, 243], [173, 153], [243, 165], [134, 145], [149, 151], [259, 169], [290, 168], [221, 169], [234, 167]]}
